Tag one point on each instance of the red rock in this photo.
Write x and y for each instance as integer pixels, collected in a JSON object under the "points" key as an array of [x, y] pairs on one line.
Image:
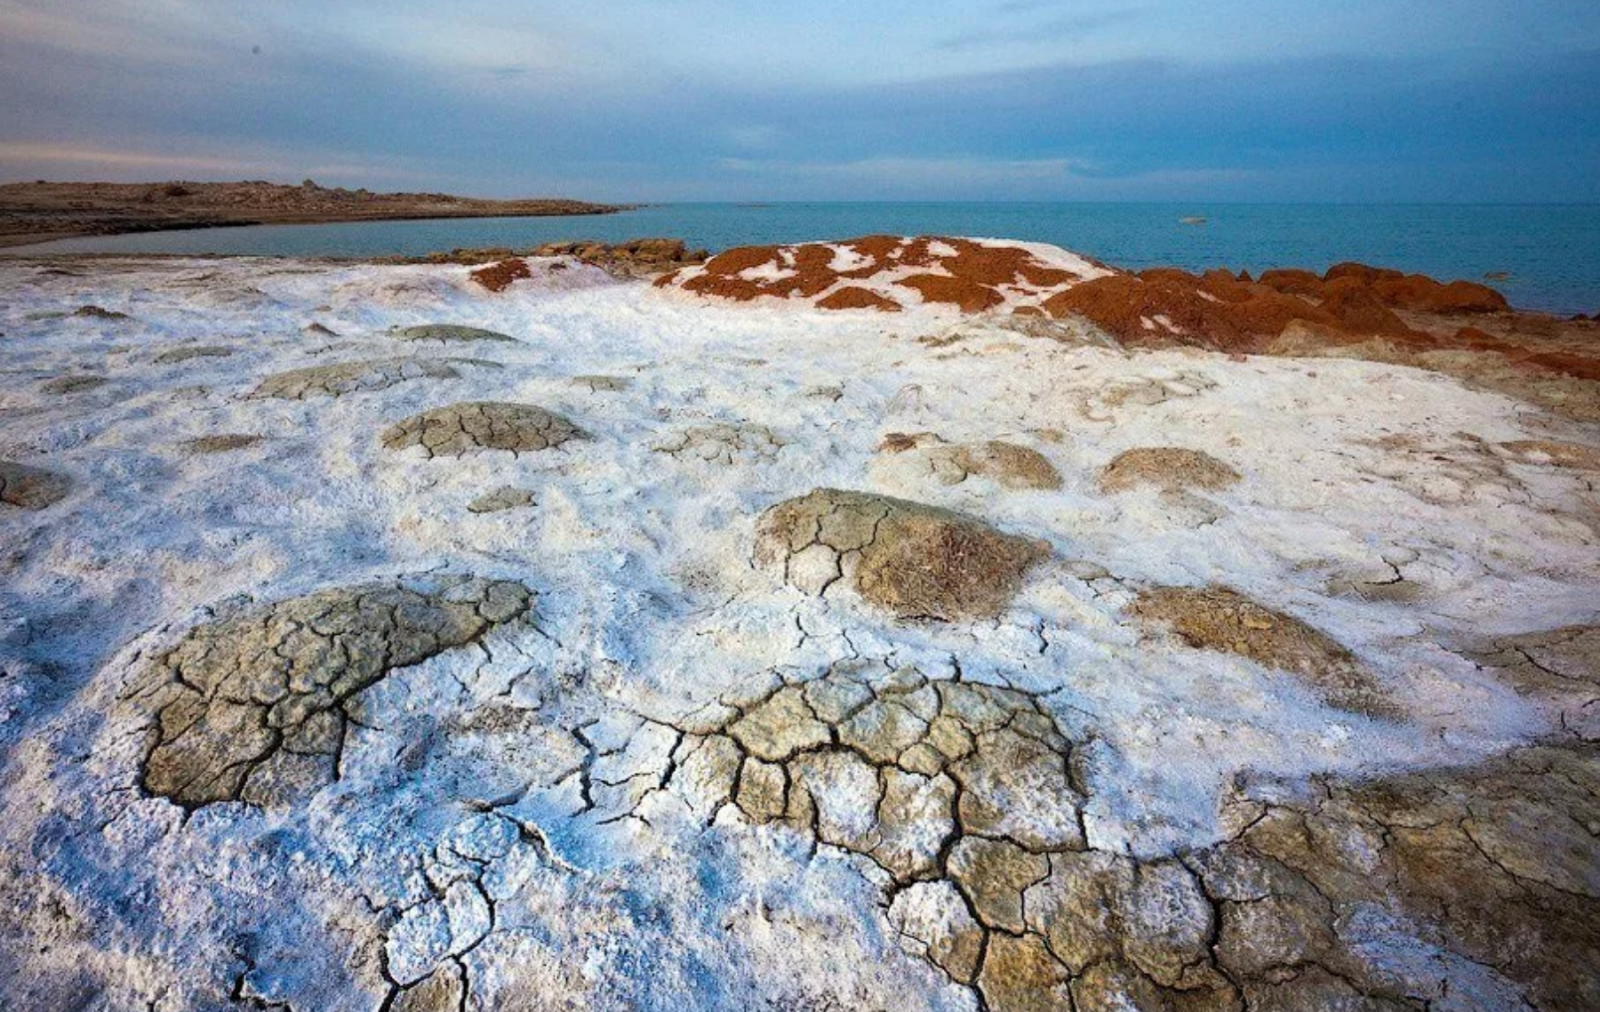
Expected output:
{"points": [[1422, 294], [499, 276], [856, 297], [1293, 282], [1121, 304], [1361, 272], [1358, 310], [1566, 363], [968, 295]]}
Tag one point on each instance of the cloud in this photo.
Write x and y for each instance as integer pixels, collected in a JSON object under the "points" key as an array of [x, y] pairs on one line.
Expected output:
{"points": [[974, 177], [1070, 28], [38, 159], [389, 104]]}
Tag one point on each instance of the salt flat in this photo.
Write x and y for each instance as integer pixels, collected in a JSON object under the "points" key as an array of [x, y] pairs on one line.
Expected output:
{"points": [[688, 767]]}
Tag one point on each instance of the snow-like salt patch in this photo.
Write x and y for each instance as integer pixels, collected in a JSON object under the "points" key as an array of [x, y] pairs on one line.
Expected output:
{"points": [[648, 603]]}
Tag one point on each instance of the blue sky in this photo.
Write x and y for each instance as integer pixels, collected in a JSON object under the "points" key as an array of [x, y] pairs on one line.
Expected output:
{"points": [[1384, 100]]}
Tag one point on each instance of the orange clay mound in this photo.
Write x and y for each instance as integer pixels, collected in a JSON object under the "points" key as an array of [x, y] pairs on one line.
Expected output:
{"points": [[497, 277]]}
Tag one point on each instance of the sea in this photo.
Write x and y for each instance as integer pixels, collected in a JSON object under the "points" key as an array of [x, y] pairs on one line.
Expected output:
{"points": [[1544, 257]]}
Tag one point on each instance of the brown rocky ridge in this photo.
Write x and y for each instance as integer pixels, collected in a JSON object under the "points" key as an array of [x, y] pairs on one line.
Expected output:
{"points": [[36, 212]]}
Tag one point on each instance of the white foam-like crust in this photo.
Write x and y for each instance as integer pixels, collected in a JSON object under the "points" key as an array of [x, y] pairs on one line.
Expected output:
{"points": [[648, 604]]}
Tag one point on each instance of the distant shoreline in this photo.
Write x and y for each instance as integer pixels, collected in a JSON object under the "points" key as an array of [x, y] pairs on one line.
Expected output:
{"points": [[39, 212]]}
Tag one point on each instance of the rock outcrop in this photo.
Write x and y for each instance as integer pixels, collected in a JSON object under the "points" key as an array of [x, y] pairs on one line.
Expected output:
{"points": [[1462, 328]]}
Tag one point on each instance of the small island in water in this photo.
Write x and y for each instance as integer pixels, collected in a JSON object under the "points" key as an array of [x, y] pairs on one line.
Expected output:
{"points": [[40, 211]]}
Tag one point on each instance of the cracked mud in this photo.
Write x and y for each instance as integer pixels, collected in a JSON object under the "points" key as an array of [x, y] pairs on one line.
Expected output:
{"points": [[914, 560], [447, 332], [722, 443], [254, 708], [1009, 465], [967, 800], [350, 377], [481, 425]]}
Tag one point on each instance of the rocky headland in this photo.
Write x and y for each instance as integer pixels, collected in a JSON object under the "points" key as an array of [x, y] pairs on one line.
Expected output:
{"points": [[40, 211]]}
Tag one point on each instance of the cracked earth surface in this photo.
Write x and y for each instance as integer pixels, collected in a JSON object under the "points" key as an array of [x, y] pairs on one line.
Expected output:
{"points": [[349, 377], [850, 682], [255, 708], [915, 560], [481, 425]]}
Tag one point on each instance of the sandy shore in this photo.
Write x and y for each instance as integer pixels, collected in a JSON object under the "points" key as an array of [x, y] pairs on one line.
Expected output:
{"points": [[38, 212]]}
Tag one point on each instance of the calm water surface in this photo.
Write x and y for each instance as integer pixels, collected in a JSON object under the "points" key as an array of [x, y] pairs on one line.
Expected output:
{"points": [[1550, 252]]}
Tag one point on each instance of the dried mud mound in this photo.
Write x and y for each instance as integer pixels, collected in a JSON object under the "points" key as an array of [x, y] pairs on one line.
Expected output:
{"points": [[1216, 618], [342, 378], [722, 443], [31, 488], [446, 332], [1009, 465], [193, 351], [223, 442], [481, 425], [914, 560], [255, 708], [888, 273], [498, 500], [72, 384], [1168, 468]]}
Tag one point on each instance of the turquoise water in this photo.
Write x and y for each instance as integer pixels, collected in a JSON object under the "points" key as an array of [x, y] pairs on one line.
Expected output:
{"points": [[1551, 252]]}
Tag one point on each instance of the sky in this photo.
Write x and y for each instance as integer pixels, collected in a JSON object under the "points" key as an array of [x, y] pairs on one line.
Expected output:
{"points": [[660, 100]]}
